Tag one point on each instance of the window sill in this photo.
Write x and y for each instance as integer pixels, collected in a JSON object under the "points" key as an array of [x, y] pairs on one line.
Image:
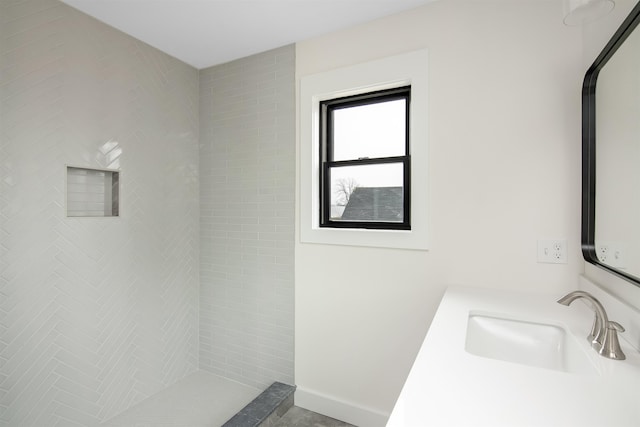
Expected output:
{"points": [[398, 239]]}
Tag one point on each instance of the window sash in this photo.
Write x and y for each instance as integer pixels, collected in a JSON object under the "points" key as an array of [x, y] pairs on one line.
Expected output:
{"points": [[325, 191], [327, 162], [327, 107]]}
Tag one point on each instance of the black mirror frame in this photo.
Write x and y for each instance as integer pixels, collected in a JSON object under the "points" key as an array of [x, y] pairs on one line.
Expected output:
{"points": [[589, 145]]}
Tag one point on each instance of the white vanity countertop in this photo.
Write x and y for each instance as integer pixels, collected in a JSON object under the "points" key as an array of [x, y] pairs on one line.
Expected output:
{"points": [[449, 387]]}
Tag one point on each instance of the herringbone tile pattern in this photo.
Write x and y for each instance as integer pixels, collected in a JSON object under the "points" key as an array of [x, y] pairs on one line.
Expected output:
{"points": [[96, 314]]}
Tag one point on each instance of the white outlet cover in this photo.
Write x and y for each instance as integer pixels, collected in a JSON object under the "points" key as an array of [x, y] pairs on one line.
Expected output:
{"points": [[552, 251], [611, 253]]}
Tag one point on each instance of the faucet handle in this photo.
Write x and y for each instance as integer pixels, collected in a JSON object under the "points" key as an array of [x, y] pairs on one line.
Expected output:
{"points": [[611, 346], [615, 325]]}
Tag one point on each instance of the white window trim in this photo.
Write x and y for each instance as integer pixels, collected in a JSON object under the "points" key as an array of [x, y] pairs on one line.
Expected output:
{"points": [[401, 70]]}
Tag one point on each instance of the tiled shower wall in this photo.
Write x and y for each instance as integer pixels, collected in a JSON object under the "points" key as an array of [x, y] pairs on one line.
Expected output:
{"points": [[247, 173], [95, 313]]}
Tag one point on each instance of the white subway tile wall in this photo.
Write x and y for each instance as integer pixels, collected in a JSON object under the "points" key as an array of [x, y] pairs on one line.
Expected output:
{"points": [[96, 314], [247, 187]]}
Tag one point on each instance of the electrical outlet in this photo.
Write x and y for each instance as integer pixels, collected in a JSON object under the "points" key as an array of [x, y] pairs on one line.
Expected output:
{"points": [[602, 252], [553, 251], [611, 253]]}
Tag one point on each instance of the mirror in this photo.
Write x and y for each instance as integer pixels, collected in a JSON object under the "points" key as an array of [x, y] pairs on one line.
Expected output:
{"points": [[611, 155]]}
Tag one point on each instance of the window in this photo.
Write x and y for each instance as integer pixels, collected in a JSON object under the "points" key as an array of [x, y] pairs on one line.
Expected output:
{"points": [[355, 83], [365, 170]]}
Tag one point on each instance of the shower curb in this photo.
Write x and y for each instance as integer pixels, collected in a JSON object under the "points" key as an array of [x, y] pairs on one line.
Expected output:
{"points": [[266, 409]]}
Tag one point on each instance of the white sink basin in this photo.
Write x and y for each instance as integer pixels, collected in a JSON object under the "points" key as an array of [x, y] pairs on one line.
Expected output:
{"points": [[528, 343]]}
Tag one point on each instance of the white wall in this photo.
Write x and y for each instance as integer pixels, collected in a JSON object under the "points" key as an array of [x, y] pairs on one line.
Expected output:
{"points": [[504, 169], [96, 314]]}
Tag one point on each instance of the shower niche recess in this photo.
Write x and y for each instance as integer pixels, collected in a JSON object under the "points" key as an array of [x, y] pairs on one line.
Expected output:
{"points": [[93, 192]]}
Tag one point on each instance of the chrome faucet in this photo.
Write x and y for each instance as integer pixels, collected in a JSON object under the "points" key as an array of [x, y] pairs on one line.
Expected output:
{"points": [[604, 333]]}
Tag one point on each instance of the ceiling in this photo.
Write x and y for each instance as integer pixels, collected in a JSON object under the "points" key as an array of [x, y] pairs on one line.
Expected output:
{"points": [[203, 33]]}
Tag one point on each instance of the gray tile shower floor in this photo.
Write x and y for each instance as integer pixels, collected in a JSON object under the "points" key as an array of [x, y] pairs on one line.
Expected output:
{"points": [[298, 417]]}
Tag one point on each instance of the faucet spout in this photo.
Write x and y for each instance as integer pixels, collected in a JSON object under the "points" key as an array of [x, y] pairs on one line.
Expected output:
{"points": [[601, 321]]}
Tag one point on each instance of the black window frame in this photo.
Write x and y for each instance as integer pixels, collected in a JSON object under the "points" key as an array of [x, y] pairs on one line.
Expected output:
{"points": [[327, 162]]}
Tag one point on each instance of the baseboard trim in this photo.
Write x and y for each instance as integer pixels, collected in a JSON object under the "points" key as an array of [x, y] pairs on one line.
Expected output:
{"points": [[339, 409]]}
